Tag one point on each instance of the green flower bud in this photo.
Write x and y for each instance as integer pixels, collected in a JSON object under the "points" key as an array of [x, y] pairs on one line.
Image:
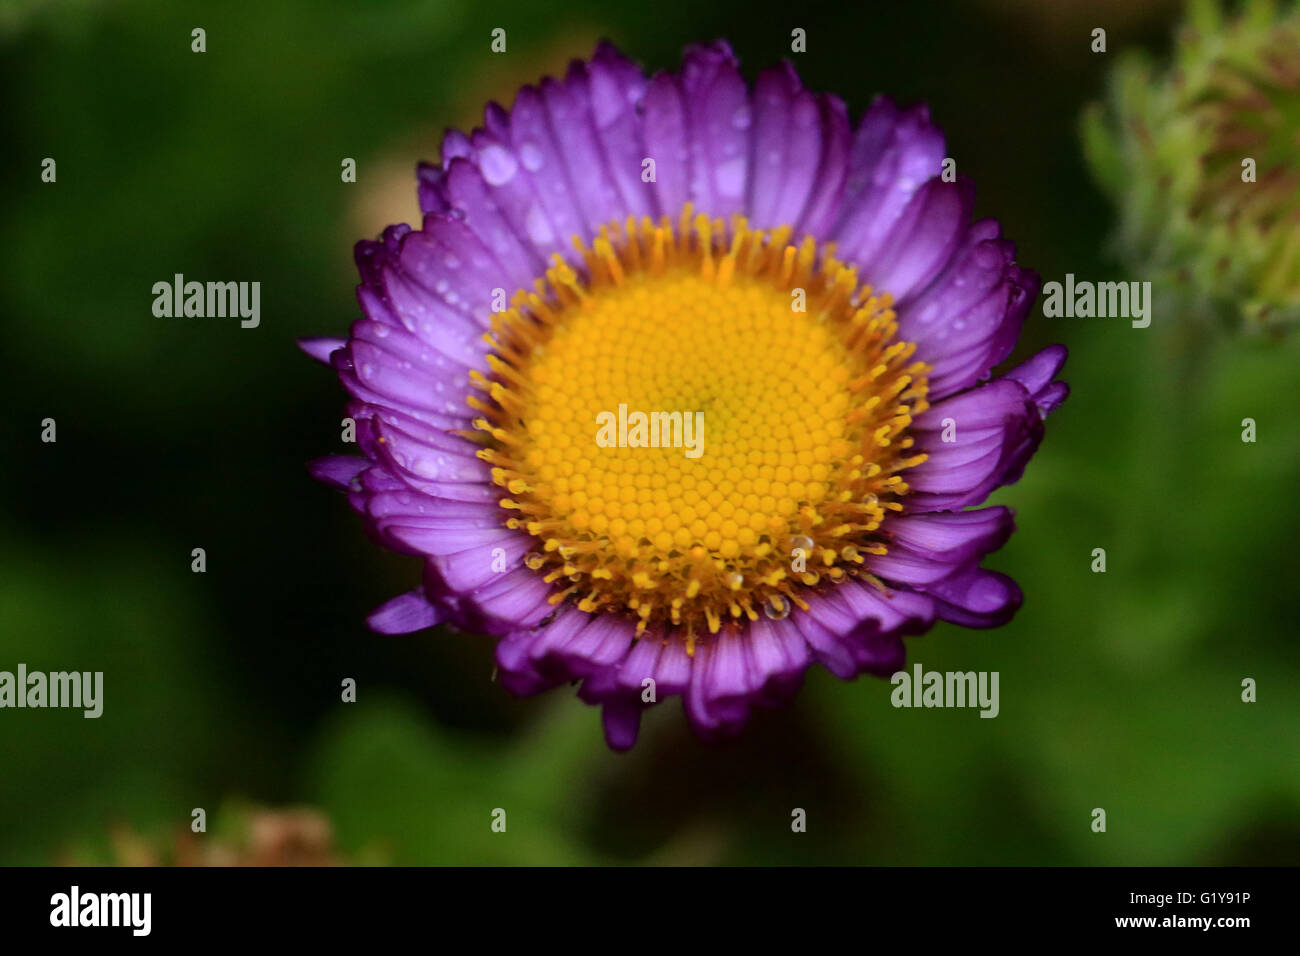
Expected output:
{"points": [[1202, 161]]}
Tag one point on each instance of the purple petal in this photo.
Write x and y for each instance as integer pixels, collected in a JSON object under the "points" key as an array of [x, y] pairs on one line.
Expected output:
{"points": [[321, 348], [923, 239], [616, 87], [719, 118], [996, 428], [977, 598], [667, 142], [894, 153], [621, 720], [404, 614], [338, 470]]}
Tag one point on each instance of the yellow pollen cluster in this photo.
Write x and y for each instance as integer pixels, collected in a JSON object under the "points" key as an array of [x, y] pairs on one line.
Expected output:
{"points": [[793, 373]]}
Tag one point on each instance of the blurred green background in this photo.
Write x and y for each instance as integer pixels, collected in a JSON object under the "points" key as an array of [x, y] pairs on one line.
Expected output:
{"points": [[1118, 690]]}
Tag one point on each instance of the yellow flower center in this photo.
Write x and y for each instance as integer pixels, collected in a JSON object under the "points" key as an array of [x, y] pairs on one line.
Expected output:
{"points": [[705, 425]]}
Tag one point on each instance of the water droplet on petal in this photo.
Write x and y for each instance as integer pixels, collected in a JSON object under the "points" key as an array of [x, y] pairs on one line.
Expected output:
{"points": [[532, 157], [497, 165], [778, 609], [539, 228], [731, 177]]}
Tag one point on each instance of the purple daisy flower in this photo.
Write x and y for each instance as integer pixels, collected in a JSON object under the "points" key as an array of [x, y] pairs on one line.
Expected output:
{"points": [[683, 387]]}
